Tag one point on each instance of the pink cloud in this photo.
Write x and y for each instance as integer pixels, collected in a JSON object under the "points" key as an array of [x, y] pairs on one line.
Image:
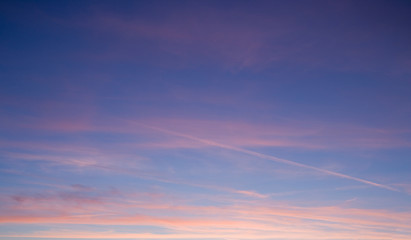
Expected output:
{"points": [[68, 117], [238, 234], [262, 219], [200, 134]]}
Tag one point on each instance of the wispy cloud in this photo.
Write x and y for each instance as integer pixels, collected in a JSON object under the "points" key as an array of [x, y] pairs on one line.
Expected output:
{"points": [[261, 219], [268, 157], [205, 120], [99, 156]]}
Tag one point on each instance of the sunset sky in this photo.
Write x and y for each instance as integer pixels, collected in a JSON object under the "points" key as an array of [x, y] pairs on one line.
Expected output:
{"points": [[211, 120]]}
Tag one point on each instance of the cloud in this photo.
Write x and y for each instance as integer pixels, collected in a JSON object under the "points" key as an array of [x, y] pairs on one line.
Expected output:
{"points": [[209, 33], [303, 135], [233, 136], [83, 118], [307, 235], [245, 219], [257, 37], [265, 156]]}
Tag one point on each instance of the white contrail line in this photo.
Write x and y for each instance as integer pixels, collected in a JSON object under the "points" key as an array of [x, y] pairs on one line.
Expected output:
{"points": [[268, 157]]}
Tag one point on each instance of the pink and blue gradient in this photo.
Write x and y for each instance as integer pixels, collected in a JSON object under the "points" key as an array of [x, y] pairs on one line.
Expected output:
{"points": [[209, 120]]}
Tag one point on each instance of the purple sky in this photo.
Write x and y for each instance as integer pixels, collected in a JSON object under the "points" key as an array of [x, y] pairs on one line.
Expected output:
{"points": [[212, 120]]}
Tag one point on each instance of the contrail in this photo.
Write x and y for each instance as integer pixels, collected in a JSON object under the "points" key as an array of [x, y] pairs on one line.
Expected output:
{"points": [[268, 157]]}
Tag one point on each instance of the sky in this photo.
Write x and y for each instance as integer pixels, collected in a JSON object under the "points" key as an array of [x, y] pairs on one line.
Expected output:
{"points": [[205, 120]]}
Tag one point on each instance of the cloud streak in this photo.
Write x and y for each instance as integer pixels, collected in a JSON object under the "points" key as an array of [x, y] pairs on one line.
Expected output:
{"points": [[267, 157], [235, 219]]}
